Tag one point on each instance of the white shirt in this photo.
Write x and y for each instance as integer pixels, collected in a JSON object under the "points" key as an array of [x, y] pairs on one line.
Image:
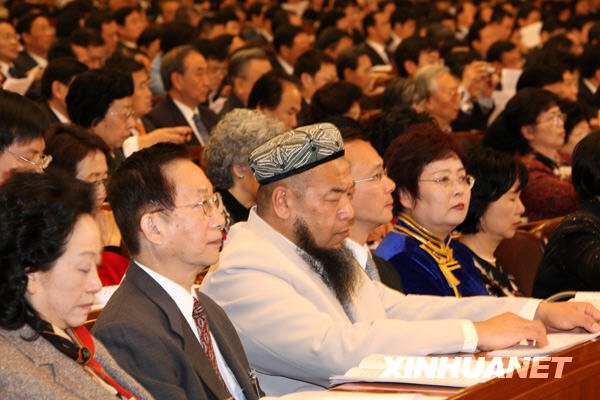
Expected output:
{"points": [[61, 117], [185, 303], [188, 114], [286, 67], [590, 85], [41, 61], [379, 49], [359, 252]]}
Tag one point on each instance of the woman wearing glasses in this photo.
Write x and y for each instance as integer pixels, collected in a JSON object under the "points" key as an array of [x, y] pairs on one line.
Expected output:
{"points": [[83, 155], [432, 195], [494, 214], [533, 130]]}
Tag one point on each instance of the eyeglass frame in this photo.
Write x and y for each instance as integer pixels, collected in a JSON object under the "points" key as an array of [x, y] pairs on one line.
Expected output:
{"points": [[200, 203], [554, 119], [45, 159], [378, 177], [453, 181], [124, 116]]}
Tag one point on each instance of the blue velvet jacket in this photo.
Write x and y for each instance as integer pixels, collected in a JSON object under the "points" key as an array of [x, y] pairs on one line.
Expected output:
{"points": [[428, 265]]}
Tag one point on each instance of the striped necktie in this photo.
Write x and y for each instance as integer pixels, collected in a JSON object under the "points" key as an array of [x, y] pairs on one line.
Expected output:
{"points": [[199, 316]]}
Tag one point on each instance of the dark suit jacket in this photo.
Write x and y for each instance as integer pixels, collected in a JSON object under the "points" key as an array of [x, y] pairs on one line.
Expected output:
{"points": [[149, 337], [586, 97], [166, 114], [231, 103], [51, 116], [375, 58], [388, 274], [24, 63], [571, 259]]}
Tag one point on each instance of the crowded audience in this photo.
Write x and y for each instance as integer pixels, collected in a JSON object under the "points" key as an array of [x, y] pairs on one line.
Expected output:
{"points": [[338, 156]]}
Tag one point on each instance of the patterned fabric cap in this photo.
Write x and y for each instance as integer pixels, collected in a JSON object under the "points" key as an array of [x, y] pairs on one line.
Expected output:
{"points": [[296, 151]]}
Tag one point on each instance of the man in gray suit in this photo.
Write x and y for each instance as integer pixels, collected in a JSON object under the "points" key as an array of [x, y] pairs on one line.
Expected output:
{"points": [[174, 340], [303, 309]]}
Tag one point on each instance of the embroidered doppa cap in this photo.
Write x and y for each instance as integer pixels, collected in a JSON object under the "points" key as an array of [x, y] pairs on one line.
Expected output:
{"points": [[296, 151]]}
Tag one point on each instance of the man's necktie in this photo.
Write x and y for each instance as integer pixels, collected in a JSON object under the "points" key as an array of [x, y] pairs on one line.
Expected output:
{"points": [[202, 131], [371, 268], [199, 316]]}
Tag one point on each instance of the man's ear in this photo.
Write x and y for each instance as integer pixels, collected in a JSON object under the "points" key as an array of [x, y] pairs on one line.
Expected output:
{"points": [[150, 225], [306, 80], [176, 80], [406, 199], [410, 67], [59, 90], [283, 202]]}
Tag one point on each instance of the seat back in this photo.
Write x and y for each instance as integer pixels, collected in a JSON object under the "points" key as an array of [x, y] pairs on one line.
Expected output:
{"points": [[520, 256]]}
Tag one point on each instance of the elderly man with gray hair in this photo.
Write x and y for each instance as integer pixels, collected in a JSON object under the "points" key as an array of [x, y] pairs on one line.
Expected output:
{"points": [[245, 67], [443, 98], [226, 157]]}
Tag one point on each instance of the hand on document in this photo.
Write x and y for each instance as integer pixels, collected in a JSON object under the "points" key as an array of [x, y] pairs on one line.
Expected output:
{"points": [[565, 316], [509, 329]]}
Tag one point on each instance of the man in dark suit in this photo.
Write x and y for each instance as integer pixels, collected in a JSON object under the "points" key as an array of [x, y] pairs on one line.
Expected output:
{"points": [[175, 341], [377, 27], [56, 80], [589, 68], [372, 203], [37, 35], [184, 76], [289, 42], [245, 67]]}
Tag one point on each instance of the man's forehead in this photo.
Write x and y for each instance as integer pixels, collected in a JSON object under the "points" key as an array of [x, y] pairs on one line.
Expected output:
{"points": [[335, 173]]}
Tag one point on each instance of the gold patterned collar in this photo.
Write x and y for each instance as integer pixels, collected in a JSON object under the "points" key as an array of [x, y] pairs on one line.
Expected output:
{"points": [[437, 248]]}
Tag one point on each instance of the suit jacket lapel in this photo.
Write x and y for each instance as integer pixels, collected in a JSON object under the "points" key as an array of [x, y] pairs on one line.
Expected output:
{"points": [[233, 360], [179, 326], [179, 120]]}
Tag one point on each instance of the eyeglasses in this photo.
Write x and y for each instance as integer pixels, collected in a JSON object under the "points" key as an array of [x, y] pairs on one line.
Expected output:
{"points": [[99, 183], [43, 162], [377, 177], [129, 113], [209, 206], [556, 119], [9, 36], [448, 182]]}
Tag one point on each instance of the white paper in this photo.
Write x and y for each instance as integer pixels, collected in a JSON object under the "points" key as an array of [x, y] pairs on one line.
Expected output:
{"points": [[531, 35], [101, 298], [343, 395], [556, 343]]}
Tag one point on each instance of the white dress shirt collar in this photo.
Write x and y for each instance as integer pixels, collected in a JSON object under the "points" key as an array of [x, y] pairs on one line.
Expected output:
{"points": [[361, 253], [188, 114], [286, 67], [185, 302], [379, 49], [41, 61]]}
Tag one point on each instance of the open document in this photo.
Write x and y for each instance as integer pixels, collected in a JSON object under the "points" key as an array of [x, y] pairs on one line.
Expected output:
{"points": [[556, 343], [330, 395], [440, 370]]}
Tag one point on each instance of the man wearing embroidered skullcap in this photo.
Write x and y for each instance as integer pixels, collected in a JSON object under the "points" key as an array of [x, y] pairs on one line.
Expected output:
{"points": [[305, 310]]}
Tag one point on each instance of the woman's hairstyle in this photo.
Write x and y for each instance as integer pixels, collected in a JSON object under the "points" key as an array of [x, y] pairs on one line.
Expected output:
{"points": [[335, 98], [408, 155], [232, 140], [92, 93], [523, 109], [495, 173], [574, 112], [37, 215], [69, 144], [586, 167]]}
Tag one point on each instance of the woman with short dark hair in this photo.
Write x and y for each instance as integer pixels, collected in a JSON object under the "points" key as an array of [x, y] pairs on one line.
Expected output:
{"points": [[432, 194], [49, 247], [532, 128], [571, 259], [494, 214]]}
